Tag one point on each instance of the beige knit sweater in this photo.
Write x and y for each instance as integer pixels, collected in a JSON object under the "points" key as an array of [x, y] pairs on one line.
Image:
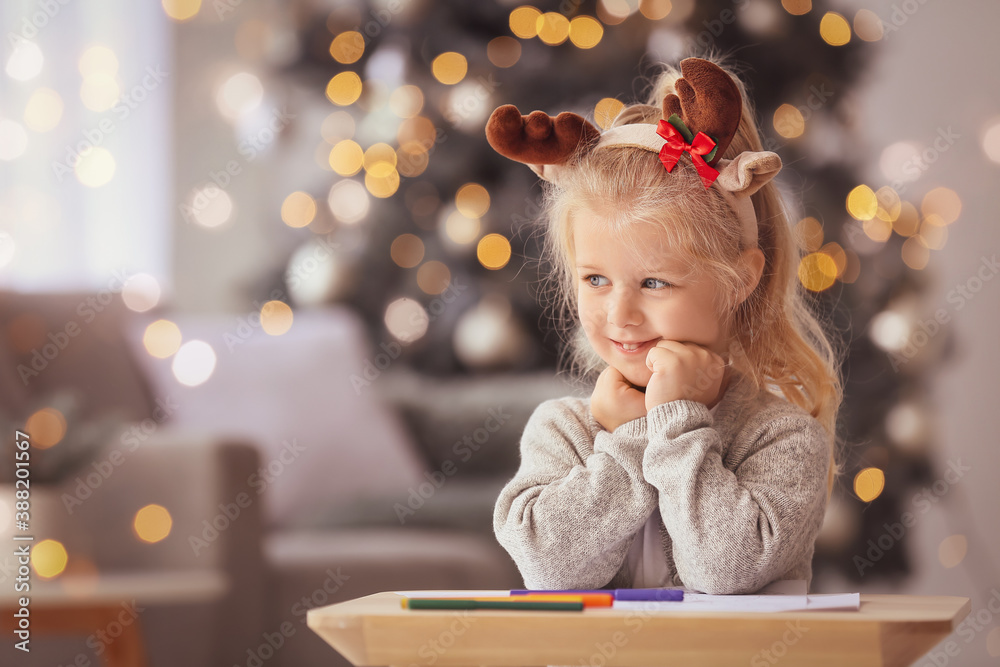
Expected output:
{"points": [[741, 493]]}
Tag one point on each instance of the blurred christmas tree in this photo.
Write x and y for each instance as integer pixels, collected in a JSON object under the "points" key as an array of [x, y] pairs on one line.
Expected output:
{"points": [[447, 222]]}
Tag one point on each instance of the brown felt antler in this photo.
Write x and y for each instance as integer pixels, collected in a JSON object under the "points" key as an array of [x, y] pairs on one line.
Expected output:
{"points": [[708, 101], [537, 138]]}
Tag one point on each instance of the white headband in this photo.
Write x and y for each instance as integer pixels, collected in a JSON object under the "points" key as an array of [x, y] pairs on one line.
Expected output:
{"points": [[738, 178]]}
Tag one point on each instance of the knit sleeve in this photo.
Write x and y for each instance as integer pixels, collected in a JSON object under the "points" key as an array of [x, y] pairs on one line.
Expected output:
{"points": [[735, 531], [568, 518]]}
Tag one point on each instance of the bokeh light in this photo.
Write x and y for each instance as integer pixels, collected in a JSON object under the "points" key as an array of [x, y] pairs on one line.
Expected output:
{"points": [[585, 32], [344, 89], [49, 558], [433, 277], [298, 209], [406, 101], [472, 200], [25, 61], [276, 317], [211, 206], [553, 28], [348, 201], [524, 22], [152, 523], [862, 203], [181, 10], [493, 251], [382, 184], [98, 59], [47, 428], [347, 157], [915, 253], [991, 141], [503, 51], [606, 110], [450, 67], [347, 47], [13, 139], [942, 202], [817, 271], [952, 550], [834, 29], [655, 10], [797, 7], [810, 232], [868, 484], [461, 229], [162, 339], [239, 94], [407, 250], [194, 363], [141, 292], [406, 319], [44, 110], [788, 121], [868, 26], [96, 167]]}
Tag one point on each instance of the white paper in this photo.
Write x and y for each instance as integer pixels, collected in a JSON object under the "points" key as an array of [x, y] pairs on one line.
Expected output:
{"points": [[784, 595]]}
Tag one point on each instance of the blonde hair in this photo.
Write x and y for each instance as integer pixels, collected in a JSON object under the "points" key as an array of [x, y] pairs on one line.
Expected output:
{"points": [[777, 340]]}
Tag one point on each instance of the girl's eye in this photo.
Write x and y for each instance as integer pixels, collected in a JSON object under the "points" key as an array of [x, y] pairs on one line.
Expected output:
{"points": [[590, 279], [663, 283]]}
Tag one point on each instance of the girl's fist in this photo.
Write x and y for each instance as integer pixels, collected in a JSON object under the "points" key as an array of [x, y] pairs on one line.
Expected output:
{"points": [[684, 371], [615, 401]]}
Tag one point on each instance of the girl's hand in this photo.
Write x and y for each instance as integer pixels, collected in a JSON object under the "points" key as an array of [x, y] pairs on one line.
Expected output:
{"points": [[683, 371], [615, 401]]}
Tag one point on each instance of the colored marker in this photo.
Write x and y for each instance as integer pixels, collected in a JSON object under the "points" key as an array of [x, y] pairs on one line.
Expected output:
{"points": [[643, 594], [471, 603]]}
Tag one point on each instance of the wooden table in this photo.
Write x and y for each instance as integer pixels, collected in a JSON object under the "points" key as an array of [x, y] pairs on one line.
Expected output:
{"points": [[887, 630], [83, 605]]}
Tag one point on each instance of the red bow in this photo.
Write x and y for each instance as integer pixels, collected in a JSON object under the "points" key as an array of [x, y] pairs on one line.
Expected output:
{"points": [[702, 144]]}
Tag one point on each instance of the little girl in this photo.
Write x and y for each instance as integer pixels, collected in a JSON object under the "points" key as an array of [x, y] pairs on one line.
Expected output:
{"points": [[669, 245]]}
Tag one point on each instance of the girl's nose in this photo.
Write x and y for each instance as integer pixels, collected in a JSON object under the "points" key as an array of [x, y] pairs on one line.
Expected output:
{"points": [[623, 311]]}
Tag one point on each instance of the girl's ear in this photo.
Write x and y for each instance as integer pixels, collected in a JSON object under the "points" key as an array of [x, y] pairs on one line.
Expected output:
{"points": [[753, 260]]}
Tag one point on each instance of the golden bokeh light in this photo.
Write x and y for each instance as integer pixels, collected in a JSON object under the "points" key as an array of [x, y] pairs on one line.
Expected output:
{"points": [[868, 484], [493, 251], [346, 157], [952, 550], [49, 558], [797, 7], [933, 232], [99, 92], [162, 338], [276, 317], [877, 229], [889, 204], [654, 10], [152, 523], [942, 202], [585, 32], [461, 229], [98, 59], [433, 277], [553, 28], [524, 22], [47, 427], [472, 200], [406, 101], [407, 250], [862, 203], [837, 254], [810, 231], [817, 271], [380, 160], [606, 110], [382, 185], [908, 221], [181, 10], [344, 89], [868, 26], [834, 29], [347, 47], [298, 209], [450, 67], [412, 159], [788, 121], [44, 110], [915, 254], [503, 51], [419, 129]]}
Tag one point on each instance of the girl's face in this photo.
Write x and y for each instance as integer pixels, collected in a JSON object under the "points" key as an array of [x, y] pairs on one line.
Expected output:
{"points": [[620, 303]]}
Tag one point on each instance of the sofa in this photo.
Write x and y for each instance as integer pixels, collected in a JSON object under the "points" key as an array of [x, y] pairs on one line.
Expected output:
{"points": [[309, 468]]}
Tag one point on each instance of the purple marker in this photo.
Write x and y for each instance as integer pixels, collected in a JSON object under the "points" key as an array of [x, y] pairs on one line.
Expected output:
{"points": [[632, 594]]}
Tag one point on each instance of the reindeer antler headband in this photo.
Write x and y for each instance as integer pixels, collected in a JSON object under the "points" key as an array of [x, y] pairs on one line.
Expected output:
{"points": [[701, 120]]}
